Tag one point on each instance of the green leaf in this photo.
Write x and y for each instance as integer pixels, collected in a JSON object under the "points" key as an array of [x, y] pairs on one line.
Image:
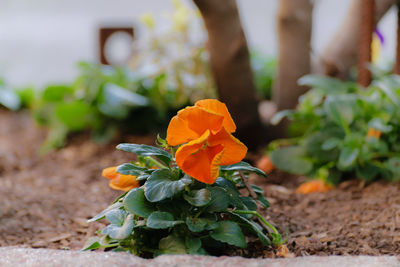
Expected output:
{"points": [[131, 169], [145, 151], [229, 232], [260, 196], [162, 184], [198, 198], [9, 98], [347, 157], [117, 101], [193, 245], [291, 159], [219, 199], [249, 203], [387, 85], [367, 172], [116, 216], [26, 96], [331, 143], [120, 232], [56, 93], [379, 125], [196, 224], [117, 95], [200, 224], [325, 83], [242, 166], [74, 115], [171, 245], [135, 202], [102, 214], [254, 227], [161, 220], [280, 115], [393, 164], [340, 109], [232, 191], [92, 243]]}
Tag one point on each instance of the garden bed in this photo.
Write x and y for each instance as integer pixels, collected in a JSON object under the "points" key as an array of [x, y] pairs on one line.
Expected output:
{"points": [[45, 201]]}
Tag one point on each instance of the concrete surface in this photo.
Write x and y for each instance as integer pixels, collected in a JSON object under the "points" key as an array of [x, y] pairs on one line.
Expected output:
{"points": [[13, 256]]}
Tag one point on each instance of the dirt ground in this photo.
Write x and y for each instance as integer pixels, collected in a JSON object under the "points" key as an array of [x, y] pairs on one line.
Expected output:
{"points": [[46, 200]]}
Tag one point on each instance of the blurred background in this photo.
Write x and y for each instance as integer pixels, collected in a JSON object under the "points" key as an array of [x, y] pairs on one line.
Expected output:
{"points": [[41, 41]]}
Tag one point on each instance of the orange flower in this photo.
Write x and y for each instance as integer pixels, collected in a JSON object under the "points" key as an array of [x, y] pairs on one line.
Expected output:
{"points": [[265, 164], [374, 133], [205, 132], [313, 186], [120, 181]]}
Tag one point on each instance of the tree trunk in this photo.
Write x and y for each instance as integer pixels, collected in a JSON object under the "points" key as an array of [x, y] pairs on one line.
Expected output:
{"points": [[230, 64], [342, 52], [365, 40], [294, 25]]}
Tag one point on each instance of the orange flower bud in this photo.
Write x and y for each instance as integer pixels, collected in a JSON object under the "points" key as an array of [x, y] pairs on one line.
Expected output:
{"points": [[374, 133], [313, 186], [265, 164], [120, 181]]}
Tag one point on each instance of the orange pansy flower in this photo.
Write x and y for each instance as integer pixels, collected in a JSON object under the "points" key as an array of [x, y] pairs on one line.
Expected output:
{"points": [[313, 186], [205, 132], [120, 181], [374, 133]]}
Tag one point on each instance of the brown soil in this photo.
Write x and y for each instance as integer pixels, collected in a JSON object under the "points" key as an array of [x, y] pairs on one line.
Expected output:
{"points": [[45, 201]]}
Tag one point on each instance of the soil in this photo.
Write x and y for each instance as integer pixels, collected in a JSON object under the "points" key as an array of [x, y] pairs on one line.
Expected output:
{"points": [[45, 201]]}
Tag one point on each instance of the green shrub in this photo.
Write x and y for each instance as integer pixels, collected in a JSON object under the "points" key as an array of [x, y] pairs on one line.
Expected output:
{"points": [[341, 130]]}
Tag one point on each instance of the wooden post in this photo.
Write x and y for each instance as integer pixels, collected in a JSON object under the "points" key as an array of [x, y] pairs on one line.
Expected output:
{"points": [[341, 53], [366, 31]]}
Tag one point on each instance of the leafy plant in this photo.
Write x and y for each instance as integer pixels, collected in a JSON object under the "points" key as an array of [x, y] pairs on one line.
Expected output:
{"points": [[341, 130], [8, 97], [169, 70], [264, 70], [180, 202]]}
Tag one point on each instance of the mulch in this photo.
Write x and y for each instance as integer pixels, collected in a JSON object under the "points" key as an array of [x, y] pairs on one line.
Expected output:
{"points": [[45, 201]]}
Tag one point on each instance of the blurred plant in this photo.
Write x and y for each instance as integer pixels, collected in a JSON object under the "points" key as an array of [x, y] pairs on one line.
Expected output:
{"points": [[103, 99], [340, 130], [169, 70], [9, 97], [167, 211], [264, 70], [178, 52]]}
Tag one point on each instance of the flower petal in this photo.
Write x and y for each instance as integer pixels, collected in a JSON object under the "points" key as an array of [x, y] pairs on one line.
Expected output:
{"points": [[120, 181], [124, 182], [178, 131], [234, 150], [110, 172], [220, 108], [191, 123], [199, 160]]}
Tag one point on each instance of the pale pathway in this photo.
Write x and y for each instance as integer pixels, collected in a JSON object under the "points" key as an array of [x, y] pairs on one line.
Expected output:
{"points": [[12, 256]]}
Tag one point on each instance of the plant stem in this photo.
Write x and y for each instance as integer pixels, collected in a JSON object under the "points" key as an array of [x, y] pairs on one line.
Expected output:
{"points": [[156, 163], [198, 214], [251, 191], [258, 215]]}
